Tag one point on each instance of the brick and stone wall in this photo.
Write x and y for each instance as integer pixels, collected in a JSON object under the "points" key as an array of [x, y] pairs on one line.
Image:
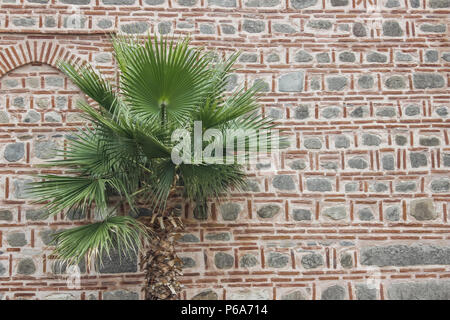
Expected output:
{"points": [[356, 208]]}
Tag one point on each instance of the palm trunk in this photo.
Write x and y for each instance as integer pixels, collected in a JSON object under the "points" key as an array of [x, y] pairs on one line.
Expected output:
{"points": [[160, 262]]}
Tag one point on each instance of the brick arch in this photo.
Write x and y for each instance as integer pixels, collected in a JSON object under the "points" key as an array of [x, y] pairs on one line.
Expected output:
{"points": [[28, 52]]}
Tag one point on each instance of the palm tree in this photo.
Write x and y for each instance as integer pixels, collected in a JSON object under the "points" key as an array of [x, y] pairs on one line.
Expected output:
{"points": [[121, 160]]}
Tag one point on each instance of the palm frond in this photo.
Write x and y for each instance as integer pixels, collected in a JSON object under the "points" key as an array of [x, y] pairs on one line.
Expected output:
{"points": [[96, 240], [164, 81]]}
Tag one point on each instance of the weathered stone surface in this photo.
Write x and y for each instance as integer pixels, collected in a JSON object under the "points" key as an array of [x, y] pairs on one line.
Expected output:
{"points": [[262, 3], [319, 24], [4, 118], [376, 57], [438, 4], [380, 187], [187, 3], [412, 110], [206, 295], [251, 186], [230, 211], [357, 163], [189, 237], [429, 141], [351, 187], [120, 295], [347, 56], [268, 211], [53, 81], [359, 30], [312, 143], [165, 27], [118, 262], [403, 57], [401, 140], [223, 260], [35, 214], [335, 292], [312, 260], [187, 262], [346, 260], [446, 56], [248, 57], [16, 239], [446, 159], [425, 290], [331, 165], [365, 214], [341, 141], [366, 81], [365, 292], [303, 56], [431, 56], [218, 236], [433, 28], [388, 162], [301, 214], [358, 112], [253, 26], [135, 27], [335, 213], [301, 4], [337, 83], [392, 28], [277, 260], [441, 185], [395, 82], [442, 111], [405, 186], [248, 260], [283, 28], [273, 57], [26, 266], [423, 209], [371, 139], [283, 182], [52, 117], [405, 255], [47, 236], [339, 3], [295, 295], [331, 113], [154, 2], [318, 184], [291, 82], [32, 117], [428, 80], [20, 188], [250, 294], [6, 215], [323, 57], [45, 149], [24, 22], [222, 3], [14, 152], [76, 2], [104, 23], [392, 213], [301, 112], [206, 28], [60, 296], [2, 269]]}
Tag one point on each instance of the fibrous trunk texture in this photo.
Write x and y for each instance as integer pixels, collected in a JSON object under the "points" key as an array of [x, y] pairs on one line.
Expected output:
{"points": [[160, 262]]}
